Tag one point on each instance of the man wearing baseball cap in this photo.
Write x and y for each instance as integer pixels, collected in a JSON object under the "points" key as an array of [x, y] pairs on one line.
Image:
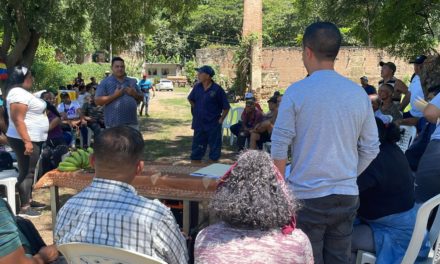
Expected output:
{"points": [[209, 107], [387, 72], [415, 87], [369, 89]]}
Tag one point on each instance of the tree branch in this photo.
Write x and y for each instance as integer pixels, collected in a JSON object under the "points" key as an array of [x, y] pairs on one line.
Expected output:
{"points": [[24, 34], [7, 34], [31, 49]]}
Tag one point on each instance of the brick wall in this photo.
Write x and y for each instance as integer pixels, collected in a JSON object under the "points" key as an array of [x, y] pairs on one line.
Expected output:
{"points": [[352, 62]]}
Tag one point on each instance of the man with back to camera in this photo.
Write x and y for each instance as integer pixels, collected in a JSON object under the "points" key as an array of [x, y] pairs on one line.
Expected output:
{"points": [[327, 155], [110, 212], [120, 96], [387, 73], [209, 107]]}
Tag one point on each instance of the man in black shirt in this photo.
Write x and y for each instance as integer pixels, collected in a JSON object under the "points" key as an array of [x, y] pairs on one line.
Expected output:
{"points": [[369, 89]]}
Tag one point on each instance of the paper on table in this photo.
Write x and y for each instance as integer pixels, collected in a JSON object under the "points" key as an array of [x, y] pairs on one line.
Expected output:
{"points": [[215, 170]]}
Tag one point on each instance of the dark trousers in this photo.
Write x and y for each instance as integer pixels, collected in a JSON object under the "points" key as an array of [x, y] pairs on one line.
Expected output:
{"points": [[328, 222], [26, 168], [241, 139], [52, 153], [202, 139], [428, 173], [96, 128]]}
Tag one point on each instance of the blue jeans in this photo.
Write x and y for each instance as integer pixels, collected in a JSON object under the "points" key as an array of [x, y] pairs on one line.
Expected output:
{"points": [[202, 139]]}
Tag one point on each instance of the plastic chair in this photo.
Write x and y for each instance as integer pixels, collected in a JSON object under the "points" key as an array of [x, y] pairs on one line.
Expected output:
{"points": [[232, 118], [80, 253], [420, 232], [8, 178], [417, 237], [408, 135]]}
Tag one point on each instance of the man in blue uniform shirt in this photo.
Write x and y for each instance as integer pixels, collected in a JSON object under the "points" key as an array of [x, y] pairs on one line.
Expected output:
{"points": [[209, 107]]}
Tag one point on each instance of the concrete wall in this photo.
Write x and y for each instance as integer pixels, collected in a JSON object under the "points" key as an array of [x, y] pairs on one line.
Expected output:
{"points": [[352, 62]]}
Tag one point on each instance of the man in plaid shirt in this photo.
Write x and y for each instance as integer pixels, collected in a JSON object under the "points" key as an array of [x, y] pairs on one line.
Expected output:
{"points": [[109, 211]]}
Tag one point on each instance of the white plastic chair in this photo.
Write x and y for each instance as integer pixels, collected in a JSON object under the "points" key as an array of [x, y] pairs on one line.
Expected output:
{"points": [[417, 237], [83, 253], [8, 178], [408, 135], [232, 118]]}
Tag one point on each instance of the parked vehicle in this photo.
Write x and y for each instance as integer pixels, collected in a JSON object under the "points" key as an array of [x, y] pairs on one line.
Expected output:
{"points": [[164, 85]]}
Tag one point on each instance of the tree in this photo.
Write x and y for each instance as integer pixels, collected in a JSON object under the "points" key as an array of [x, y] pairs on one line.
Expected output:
{"points": [[65, 23], [214, 22]]}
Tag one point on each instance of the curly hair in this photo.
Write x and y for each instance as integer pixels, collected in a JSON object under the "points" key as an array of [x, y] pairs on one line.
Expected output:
{"points": [[252, 196]]}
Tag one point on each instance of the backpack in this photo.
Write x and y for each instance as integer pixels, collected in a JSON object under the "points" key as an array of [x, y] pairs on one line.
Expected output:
{"points": [[6, 162]]}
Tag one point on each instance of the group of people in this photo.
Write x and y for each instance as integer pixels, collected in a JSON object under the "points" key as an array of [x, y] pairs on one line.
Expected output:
{"points": [[349, 187], [358, 190]]}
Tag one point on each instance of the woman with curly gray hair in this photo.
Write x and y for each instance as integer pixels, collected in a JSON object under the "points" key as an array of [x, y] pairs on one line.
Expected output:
{"points": [[257, 211]]}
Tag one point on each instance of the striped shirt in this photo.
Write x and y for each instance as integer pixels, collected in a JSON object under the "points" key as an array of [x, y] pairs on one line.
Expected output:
{"points": [[111, 213], [9, 236]]}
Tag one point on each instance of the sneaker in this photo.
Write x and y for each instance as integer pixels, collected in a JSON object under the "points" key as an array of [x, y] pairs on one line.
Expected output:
{"points": [[29, 213], [37, 205]]}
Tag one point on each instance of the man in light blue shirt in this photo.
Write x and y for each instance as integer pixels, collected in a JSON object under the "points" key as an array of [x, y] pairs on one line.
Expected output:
{"points": [[412, 117], [428, 173], [333, 141]]}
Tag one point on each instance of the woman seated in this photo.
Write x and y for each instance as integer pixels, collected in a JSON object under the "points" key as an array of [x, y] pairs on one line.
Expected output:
{"points": [[56, 145], [257, 211], [387, 211]]}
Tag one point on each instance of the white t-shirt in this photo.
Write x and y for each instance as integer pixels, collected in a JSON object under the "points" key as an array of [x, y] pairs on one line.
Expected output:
{"points": [[70, 109], [36, 120], [416, 90]]}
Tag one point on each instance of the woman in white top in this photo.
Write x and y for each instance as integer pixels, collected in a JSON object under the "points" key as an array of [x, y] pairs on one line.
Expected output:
{"points": [[28, 127]]}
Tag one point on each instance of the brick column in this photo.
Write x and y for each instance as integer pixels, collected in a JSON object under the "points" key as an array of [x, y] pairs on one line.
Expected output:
{"points": [[253, 24]]}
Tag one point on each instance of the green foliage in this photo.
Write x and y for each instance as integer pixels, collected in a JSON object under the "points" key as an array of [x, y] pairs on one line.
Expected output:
{"points": [[165, 45], [190, 73], [214, 22], [49, 73], [242, 60]]}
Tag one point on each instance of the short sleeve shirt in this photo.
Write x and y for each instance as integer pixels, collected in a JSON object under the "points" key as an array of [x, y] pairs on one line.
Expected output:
{"points": [[415, 87], [71, 109], [9, 236], [123, 110], [369, 89], [208, 106], [36, 121], [145, 85], [436, 103]]}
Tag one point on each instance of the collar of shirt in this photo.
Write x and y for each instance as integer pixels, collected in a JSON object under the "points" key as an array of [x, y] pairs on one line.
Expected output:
{"points": [[101, 183]]}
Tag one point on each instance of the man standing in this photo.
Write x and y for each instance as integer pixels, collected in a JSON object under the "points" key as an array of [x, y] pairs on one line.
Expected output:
{"points": [[411, 117], [146, 85], [120, 96], [109, 212], [387, 72], [332, 144], [209, 107], [369, 89], [92, 85]]}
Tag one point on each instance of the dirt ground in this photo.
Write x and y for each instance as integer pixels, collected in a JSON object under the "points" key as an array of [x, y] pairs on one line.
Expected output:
{"points": [[167, 133]]}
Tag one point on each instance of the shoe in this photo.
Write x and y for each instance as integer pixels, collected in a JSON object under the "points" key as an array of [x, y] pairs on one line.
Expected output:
{"points": [[140, 113], [29, 213], [147, 115], [37, 205]]}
